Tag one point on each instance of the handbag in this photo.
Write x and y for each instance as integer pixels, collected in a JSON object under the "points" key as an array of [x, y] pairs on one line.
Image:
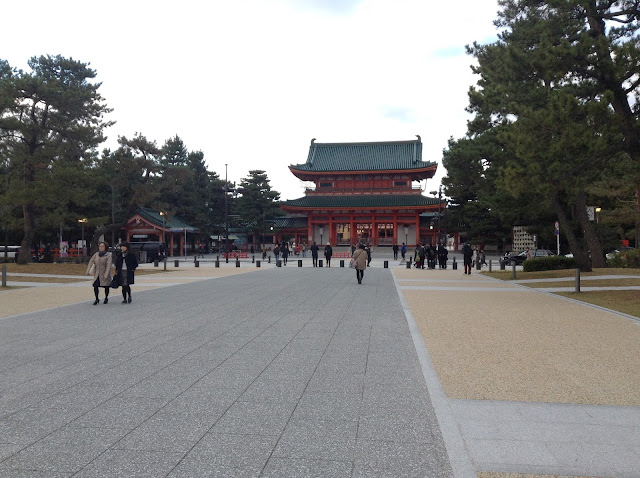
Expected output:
{"points": [[115, 281], [352, 264]]}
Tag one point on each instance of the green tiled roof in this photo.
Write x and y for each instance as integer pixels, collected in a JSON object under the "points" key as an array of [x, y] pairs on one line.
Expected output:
{"points": [[361, 201], [290, 222], [379, 156], [170, 222]]}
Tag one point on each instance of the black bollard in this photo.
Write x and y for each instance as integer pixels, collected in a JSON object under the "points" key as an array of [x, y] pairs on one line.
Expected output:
{"points": [[257, 263], [478, 266], [253, 259], [320, 263], [577, 280], [490, 265], [299, 262], [217, 262], [408, 264], [237, 263], [197, 263], [156, 263], [386, 264], [176, 263], [4, 275], [165, 263], [341, 262], [514, 271], [269, 259], [455, 264]]}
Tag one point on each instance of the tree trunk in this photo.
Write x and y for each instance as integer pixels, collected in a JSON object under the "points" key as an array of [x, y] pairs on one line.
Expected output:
{"points": [[593, 243], [637, 243], [100, 231], [582, 259], [29, 227]]}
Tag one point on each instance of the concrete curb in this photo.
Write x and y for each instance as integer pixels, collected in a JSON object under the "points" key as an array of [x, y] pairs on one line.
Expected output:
{"points": [[454, 443]]}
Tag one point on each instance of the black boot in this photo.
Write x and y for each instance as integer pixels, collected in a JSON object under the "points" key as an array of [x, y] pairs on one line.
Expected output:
{"points": [[96, 302]]}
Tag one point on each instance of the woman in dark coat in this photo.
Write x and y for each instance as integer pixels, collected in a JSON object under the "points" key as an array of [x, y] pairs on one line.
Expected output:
{"points": [[328, 252], [126, 264]]}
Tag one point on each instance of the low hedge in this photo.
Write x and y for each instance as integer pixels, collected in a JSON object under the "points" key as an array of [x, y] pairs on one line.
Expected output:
{"points": [[550, 263], [629, 259]]}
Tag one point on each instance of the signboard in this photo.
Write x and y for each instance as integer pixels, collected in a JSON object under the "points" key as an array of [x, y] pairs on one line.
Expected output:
{"points": [[591, 212]]}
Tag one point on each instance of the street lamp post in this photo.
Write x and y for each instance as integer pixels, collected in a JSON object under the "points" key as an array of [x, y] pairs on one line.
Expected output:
{"points": [[226, 214], [598, 209], [439, 193], [82, 223], [163, 214]]}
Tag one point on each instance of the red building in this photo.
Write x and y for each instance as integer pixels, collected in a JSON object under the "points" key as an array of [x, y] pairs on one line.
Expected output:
{"points": [[365, 192]]}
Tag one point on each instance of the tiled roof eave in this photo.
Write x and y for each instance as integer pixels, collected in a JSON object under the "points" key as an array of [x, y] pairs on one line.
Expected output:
{"points": [[432, 166]]}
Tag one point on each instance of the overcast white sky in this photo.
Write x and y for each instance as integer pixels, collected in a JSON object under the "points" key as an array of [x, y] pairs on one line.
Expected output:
{"points": [[250, 82]]}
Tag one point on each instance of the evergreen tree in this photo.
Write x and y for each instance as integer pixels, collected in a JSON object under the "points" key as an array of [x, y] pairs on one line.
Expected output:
{"points": [[257, 201], [51, 122]]}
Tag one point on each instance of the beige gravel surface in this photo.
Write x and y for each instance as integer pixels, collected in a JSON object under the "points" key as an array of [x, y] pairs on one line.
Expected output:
{"points": [[522, 345], [520, 475]]}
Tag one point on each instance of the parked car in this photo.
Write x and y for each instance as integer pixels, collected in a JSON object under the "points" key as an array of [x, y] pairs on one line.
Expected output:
{"points": [[612, 254], [154, 250], [518, 259], [11, 251]]}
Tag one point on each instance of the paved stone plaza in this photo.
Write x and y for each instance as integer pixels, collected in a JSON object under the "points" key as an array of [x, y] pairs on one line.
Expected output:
{"points": [[263, 374], [301, 372]]}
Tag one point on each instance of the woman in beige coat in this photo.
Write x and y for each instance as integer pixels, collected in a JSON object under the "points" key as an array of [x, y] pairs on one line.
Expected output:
{"points": [[360, 256], [100, 267]]}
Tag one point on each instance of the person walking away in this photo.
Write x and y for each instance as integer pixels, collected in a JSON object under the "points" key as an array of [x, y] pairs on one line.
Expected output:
{"points": [[433, 255], [483, 258], [395, 252], [276, 252], [303, 249], [328, 252], [285, 253], [368, 249], [403, 250], [422, 254], [100, 267], [126, 264], [314, 254], [360, 256], [442, 256], [467, 254]]}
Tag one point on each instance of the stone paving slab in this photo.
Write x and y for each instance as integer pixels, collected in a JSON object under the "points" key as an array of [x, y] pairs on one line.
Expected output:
{"points": [[205, 379]]}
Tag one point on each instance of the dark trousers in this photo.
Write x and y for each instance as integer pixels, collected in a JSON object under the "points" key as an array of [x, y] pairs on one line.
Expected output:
{"points": [[359, 275]]}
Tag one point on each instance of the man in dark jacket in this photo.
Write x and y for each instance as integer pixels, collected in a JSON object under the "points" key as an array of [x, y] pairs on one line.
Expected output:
{"points": [[422, 253], [442, 256], [314, 254], [467, 254]]}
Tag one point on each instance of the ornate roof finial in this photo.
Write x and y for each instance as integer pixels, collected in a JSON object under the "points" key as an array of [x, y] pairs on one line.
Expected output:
{"points": [[419, 139], [313, 140]]}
